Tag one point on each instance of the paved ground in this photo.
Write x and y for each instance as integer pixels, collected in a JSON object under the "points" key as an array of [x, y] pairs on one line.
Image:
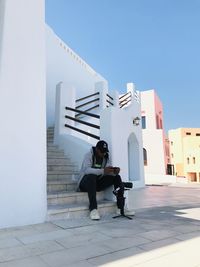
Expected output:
{"points": [[164, 232]]}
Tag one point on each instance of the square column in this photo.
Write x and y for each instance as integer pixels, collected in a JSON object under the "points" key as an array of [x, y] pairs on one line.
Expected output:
{"points": [[22, 113]]}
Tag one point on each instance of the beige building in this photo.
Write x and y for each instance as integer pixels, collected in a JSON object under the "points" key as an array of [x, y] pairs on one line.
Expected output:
{"points": [[185, 152]]}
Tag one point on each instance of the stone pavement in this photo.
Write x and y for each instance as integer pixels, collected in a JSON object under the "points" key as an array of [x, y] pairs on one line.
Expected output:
{"points": [[164, 232]]}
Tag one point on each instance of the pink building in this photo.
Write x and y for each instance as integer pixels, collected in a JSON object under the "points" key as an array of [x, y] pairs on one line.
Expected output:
{"points": [[155, 143]]}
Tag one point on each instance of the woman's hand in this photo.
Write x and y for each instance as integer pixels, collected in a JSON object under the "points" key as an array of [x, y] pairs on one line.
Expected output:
{"points": [[108, 170], [111, 170], [116, 170]]}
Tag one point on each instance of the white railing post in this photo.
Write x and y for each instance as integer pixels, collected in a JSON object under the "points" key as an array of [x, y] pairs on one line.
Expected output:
{"points": [[65, 97], [130, 88], [116, 99]]}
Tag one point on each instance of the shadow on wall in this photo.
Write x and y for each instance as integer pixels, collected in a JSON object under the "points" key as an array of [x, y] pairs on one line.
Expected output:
{"points": [[133, 158]]}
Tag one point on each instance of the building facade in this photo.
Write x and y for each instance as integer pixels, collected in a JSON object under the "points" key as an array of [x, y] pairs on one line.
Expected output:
{"points": [[155, 143], [185, 152], [29, 72]]}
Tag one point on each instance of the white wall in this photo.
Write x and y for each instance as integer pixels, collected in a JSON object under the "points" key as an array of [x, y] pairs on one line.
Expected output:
{"points": [[116, 127], [63, 64], [153, 138], [22, 113], [148, 108], [2, 8], [153, 143]]}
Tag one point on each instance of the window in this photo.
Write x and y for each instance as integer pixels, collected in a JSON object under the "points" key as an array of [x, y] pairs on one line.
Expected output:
{"points": [[172, 143], [172, 155], [145, 156], [161, 124], [197, 134], [157, 122], [193, 160], [167, 151], [188, 160], [143, 122], [188, 133]]}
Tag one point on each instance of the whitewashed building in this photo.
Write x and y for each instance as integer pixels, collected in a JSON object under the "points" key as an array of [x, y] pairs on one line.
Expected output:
{"points": [[39, 77], [155, 142]]}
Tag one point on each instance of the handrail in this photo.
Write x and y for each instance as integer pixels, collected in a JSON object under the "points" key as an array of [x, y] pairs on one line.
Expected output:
{"points": [[83, 112], [83, 122], [136, 95], [83, 132], [125, 95], [109, 96], [125, 103], [109, 102], [77, 115], [126, 99], [80, 99], [89, 102]]}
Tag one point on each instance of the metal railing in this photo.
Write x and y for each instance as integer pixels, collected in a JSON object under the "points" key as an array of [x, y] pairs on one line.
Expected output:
{"points": [[83, 103], [86, 97], [136, 95], [125, 99], [82, 122], [109, 100]]}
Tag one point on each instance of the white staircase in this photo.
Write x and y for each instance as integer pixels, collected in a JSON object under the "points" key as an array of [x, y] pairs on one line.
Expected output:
{"points": [[64, 202]]}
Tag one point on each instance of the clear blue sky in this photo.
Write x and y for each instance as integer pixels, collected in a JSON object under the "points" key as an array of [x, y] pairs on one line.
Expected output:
{"points": [[153, 43]]}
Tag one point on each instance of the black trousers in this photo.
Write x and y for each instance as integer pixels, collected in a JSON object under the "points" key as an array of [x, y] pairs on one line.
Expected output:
{"points": [[92, 183]]}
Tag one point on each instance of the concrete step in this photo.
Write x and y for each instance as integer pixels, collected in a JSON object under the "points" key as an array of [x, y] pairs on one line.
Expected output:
{"points": [[50, 130], [72, 211], [55, 155], [50, 134], [67, 176], [60, 161], [67, 167], [62, 172], [63, 200], [71, 197], [61, 185], [53, 148]]}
